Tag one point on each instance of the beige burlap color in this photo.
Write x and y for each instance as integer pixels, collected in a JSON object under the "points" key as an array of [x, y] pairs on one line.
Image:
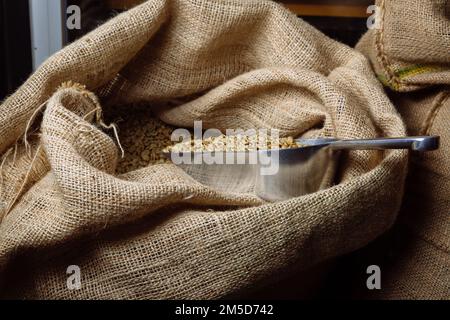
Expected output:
{"points": [[411, 52], [156, 232], [409, 49]]}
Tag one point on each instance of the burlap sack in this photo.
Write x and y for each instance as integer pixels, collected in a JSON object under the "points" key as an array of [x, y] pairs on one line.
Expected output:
{"points": [[410, 51], [156, 232], [421, 267]]}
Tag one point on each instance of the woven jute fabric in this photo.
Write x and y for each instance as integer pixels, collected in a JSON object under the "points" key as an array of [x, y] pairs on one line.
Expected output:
{"points": [[156, 232], [422, 270], [409, 48], [410, 52]]}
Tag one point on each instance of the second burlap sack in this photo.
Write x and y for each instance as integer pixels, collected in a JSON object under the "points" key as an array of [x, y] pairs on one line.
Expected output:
{"points": [[156, 233], [410, 52], [410, 43]]}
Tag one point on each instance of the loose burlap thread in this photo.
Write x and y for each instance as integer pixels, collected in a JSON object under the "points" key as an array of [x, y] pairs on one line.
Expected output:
{"points": [[156, 232]]}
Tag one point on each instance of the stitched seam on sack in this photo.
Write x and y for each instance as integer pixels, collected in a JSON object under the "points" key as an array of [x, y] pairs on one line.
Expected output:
{"points": [[426, 129], [430, 240], [437, 246], [381, 53], [429, 121], [410, 71], [393, 78]]}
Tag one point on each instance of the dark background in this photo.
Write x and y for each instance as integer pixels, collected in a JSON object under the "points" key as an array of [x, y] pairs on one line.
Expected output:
{"points": [[15, 45]]}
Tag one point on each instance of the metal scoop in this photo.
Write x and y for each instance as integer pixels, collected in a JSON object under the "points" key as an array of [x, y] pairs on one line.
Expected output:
{"points": [[290, 172]]}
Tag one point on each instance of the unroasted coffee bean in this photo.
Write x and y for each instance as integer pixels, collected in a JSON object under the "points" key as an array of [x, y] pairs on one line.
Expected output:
{"points": [[143, 138], [235, 143]]}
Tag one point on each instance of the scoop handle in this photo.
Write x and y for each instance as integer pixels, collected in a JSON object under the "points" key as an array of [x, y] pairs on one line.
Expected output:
{"points": [[419, 143]]}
